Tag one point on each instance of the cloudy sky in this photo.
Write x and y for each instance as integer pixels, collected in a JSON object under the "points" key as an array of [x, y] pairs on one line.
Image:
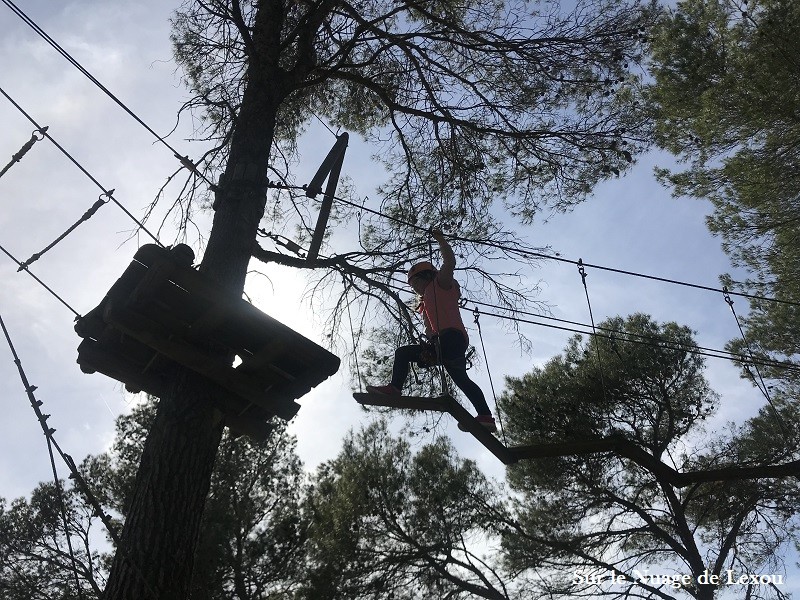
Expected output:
{"points": [[630, 223]]}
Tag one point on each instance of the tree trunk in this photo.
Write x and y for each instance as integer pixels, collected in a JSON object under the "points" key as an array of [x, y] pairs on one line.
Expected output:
{"points": [[156, 555]]}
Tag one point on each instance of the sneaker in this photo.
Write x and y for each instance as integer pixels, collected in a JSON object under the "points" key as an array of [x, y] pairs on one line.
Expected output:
{"points": [[384, 390], [487, 421]]}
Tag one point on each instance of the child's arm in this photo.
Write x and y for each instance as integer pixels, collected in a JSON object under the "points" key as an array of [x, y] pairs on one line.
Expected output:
{"points": [[445, 274]]}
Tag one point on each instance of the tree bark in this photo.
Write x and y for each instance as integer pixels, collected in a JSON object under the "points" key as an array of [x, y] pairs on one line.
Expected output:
{"points": [[162, 527]]}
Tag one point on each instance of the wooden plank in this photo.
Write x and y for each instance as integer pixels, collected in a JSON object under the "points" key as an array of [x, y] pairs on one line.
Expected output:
{"points": [[94, 356], [189, 356], [446, 404], [256, 429], [576, 448]]}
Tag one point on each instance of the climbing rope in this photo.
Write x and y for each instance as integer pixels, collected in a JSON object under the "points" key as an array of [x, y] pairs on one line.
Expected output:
{"points": [[24, 150]]}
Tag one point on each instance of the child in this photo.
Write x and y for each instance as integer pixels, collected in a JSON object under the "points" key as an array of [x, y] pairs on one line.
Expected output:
{"points": [[443, 325]]}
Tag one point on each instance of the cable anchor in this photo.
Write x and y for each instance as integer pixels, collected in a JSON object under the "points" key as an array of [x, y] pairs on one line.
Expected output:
{"points": [[15, 158], [285, 242], [726, 295], [191, 166]]}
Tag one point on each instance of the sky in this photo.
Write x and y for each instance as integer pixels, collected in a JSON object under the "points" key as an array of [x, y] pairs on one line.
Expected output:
{"points": [[629, 223]]}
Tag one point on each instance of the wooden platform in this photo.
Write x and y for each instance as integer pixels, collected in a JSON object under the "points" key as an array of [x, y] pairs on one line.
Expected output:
{"points": [[162, 313], [449, 405]]}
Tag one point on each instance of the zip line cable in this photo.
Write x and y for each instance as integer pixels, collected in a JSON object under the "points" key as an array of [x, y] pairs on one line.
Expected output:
{"points": [[533, 254], [184, 160], [608, 333], [615, 334], [108, 193], [717, 353], [611, 334], [589, 329]]}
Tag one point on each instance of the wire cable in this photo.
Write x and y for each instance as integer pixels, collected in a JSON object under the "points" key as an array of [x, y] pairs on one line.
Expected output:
{"points": [[534, 254], [39, 281], [476, 318], [15, 158], [601, 331], [85, 217], [75, 474], [612, 334], [48, 433], [609, 333], [355, 345], [759, 383], [184, 160], [582, 272], [80, 167]]}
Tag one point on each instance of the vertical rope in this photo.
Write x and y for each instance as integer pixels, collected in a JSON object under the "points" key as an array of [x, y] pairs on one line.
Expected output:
{"points": [[582, 271], [759, 383], [476, 316], [355, 346]]}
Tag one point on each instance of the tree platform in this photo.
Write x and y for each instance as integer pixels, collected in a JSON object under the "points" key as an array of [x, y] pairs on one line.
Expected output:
{"points": [[162, 313]]}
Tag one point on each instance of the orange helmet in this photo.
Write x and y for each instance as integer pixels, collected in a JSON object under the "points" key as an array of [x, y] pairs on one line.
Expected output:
{"points": [[420, 267]]}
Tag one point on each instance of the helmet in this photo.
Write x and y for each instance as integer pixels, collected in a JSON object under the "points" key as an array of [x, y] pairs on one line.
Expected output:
{"points": [[420, 268]]}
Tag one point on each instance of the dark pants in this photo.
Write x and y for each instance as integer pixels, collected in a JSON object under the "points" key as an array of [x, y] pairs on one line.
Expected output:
{"points": [[453, 349]]}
